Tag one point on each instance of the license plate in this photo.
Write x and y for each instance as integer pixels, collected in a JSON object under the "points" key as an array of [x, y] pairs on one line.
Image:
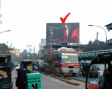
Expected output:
{"points": [[71, 71], [5, 85]]}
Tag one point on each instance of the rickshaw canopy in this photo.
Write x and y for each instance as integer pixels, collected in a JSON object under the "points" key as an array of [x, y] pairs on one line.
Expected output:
{"points": [[102, 58]]}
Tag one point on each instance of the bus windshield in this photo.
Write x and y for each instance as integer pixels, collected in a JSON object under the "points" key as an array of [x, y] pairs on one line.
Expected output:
{"points": [[69, 58]]}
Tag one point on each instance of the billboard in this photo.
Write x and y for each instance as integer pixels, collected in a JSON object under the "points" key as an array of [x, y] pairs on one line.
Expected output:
{"points": [[62, 33]]}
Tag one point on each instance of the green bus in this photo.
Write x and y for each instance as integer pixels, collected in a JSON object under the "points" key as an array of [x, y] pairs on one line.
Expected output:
{"points": [[86, 57]]}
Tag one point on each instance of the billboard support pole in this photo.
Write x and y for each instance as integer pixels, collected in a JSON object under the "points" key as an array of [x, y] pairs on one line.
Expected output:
{"points": [[51, 51]]}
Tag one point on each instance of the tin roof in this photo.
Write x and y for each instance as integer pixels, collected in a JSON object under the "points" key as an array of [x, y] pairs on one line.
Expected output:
{"points": [[5, 55], [109, 26]]}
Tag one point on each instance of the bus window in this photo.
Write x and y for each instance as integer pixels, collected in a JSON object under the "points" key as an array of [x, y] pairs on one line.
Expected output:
{"points": [[85, 56], [102, 52], [98, 52], [81, 56], [89, 56], [105, 52], [92, 55]]}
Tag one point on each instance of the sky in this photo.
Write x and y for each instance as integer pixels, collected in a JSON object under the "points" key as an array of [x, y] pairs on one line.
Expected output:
{"points": [[27, 19]]}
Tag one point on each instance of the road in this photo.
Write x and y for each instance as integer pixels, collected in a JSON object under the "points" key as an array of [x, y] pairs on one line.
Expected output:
{"points": [[14, 75], [80, 77], [48, 83]]}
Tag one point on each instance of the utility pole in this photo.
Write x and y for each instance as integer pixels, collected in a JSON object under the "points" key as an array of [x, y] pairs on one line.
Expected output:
{"points": [[7, 43], [97, 41], [51, 51], [11, 43], [34, 53], [29, 46]]}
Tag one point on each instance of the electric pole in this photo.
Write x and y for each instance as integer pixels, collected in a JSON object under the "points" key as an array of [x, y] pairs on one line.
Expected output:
{"points": [[97, 41], [34, 53], [51, 51], [29, 46], [7, 43]]}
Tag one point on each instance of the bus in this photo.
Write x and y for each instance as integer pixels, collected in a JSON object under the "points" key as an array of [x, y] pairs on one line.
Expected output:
{"points": [[67, 60], [85, 59]]}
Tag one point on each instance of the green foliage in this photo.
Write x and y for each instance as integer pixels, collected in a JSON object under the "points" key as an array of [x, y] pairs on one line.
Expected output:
{"points": [[24, 55], [42, 69], [3, 47], [57, 73], [48, 60], [62, 76], [96, 45]]}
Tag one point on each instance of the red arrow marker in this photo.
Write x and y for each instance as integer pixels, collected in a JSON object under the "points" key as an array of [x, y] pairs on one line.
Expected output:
{"points": [[63, 20]]}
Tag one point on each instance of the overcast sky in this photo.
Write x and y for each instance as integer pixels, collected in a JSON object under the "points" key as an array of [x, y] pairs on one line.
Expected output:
{"points": [[27, 19]]}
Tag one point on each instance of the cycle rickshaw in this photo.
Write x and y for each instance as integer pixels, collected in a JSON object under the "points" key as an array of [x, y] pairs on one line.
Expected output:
{"points": [[103, 61]]}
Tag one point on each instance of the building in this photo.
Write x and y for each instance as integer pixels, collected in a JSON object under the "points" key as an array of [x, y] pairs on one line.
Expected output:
{"points": [[42, 43], [15, 51], [41, 48]]}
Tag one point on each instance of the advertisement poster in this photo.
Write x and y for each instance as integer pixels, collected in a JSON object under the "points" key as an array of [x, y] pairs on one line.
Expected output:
{"points": [[62, 33]]}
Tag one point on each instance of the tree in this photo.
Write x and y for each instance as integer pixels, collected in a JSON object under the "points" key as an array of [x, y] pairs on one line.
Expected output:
{"points": [[96, 45], [24, 54], [4, 47], [90, 43], [49, 58]]}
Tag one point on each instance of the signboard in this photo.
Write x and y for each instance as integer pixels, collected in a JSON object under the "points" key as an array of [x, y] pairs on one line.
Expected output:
{"points": [[62, 33], [109, 42], [29, 67]]}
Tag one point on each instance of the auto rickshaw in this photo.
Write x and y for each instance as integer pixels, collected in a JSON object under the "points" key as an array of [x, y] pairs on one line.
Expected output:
{"points": [[5, 72], [28, 64], [102, 61], [26, 67]]}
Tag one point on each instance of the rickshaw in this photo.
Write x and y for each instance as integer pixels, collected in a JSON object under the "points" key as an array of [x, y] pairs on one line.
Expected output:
{"points": [[5, 72], [26, 67], [102, 61], [28, 64]]}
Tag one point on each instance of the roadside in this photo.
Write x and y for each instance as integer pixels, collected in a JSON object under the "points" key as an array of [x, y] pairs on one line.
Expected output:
{"points": [[79, 84], [81, 78]]}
